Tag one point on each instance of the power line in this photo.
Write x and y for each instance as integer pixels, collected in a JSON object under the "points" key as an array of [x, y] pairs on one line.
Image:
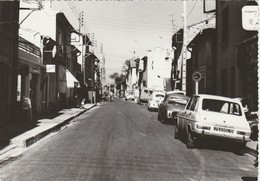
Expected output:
{"points": [[192, 8]]}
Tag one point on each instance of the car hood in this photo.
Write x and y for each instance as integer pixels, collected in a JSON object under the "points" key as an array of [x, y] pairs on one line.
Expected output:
{"points": [[224, 120]]}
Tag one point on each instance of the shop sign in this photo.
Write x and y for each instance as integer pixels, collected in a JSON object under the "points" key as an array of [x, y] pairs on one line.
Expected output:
{"points": [[250, 16], [50, 68]]}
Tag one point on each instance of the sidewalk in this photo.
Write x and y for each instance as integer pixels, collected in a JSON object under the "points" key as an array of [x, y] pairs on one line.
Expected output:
{"points": [[43, 127], [251, 148]]}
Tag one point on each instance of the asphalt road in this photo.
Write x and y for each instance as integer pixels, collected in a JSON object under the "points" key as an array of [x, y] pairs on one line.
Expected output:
{"points": [[123, 141]]}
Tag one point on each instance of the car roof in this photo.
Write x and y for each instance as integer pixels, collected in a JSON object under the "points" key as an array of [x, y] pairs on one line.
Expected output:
{"points": [[175, 92], [178, 95], [208, 96]]}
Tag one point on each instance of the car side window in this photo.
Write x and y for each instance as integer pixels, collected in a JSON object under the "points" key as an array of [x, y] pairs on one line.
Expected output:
{"points": [[193, 104], [165, 98], [189, 103]]}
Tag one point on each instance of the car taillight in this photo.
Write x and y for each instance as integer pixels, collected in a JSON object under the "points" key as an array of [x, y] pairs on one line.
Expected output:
{"points": [[203, 127], [243, 133]]}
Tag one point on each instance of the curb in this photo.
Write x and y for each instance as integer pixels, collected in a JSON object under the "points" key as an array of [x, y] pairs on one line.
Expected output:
{"points": [[251, 151], [6, 153], [28, 142]]}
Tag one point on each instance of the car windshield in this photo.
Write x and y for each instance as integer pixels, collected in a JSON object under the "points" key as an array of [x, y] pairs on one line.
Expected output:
{"points": [[159, 95], [178, 100], [221, 106]]}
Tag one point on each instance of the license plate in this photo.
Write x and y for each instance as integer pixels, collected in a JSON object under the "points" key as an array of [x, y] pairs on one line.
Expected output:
{"points": [[224, 130]]}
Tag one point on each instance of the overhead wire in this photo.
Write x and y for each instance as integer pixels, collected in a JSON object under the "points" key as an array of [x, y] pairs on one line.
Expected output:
{"points": [[192, 8]]}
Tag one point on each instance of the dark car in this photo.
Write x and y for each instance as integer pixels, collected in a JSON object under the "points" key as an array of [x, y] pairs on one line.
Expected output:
{"points": [[170, 106]]}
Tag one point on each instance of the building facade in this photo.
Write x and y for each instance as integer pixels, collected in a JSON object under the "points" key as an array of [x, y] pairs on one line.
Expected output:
{"points": [[236, 53], [203, 60], [9, 17]]}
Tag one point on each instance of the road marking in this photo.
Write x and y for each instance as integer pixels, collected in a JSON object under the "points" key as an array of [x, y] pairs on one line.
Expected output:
{"points": [[201, 173], [142, 134]]}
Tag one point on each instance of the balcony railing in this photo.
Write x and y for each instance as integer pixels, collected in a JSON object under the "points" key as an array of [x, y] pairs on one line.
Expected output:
{"points": [[28, 47]]}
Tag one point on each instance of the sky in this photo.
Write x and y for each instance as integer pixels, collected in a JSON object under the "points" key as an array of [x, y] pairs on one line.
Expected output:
{"points": [[125, 26]]}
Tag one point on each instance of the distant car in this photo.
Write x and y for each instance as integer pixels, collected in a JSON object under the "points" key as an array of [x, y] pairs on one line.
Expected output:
{"points": [[145, 94], [170, 106], [155, 100], [214, 117], [129, 95]]}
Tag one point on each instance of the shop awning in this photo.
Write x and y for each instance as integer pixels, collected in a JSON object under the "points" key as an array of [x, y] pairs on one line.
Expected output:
{"points": [[71, 80]]}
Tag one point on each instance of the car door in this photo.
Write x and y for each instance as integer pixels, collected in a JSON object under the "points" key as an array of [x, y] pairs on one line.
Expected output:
{"points": [[162, 106], [182, 117], [190, 115]]}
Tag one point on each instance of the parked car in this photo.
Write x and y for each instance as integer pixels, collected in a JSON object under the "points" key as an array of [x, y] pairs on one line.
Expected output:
{"points": [[252, 118], [155, 100], [176, 91], [213, 117], [170, 106], [129, 95], [145, 94]]}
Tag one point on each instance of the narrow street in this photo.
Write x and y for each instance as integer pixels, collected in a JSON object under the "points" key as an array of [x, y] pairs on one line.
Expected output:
{"points": [[123, 141]]}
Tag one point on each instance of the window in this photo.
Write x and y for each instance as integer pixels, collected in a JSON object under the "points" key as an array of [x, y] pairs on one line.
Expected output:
{"points": [[189, 103], [159, 95], [193, 103], [19, 88], [177, 100], [221, 107]]}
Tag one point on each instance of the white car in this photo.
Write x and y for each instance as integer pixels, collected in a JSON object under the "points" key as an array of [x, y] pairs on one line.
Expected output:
{"points": [[213, 116], [155, 100], [176, 91]]}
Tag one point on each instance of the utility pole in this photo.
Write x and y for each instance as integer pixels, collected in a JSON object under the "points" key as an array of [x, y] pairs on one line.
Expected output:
{"points": [[184, 53]]}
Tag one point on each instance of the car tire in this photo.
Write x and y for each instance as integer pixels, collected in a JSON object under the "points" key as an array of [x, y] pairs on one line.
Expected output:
{"points": [[159, 117], [162, 120], [190, 143], [241, 149], [177, 133]]}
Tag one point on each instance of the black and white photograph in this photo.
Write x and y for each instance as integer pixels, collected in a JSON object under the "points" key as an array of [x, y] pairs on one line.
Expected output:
{"points": [[129, 90]]}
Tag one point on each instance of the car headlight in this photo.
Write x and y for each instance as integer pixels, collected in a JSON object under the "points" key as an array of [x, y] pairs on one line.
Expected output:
{"points": [[201, 126]]}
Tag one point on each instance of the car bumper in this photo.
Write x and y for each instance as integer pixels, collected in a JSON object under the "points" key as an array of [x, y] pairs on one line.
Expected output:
{"points": [[220, 135]]}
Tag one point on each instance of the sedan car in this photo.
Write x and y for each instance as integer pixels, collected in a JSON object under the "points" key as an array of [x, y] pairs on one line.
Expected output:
{"points": [[170, 106], [155, 100], [129, 95], [214, 117]]}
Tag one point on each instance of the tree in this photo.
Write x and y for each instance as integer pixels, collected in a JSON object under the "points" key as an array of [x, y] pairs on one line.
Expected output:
{"points": [[114, 75]]}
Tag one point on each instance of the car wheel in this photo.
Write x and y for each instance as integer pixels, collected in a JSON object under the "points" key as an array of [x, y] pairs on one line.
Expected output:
{"points": [[159, 117], [190, 140], [162, 119], [241, 149], [177, 134]]}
